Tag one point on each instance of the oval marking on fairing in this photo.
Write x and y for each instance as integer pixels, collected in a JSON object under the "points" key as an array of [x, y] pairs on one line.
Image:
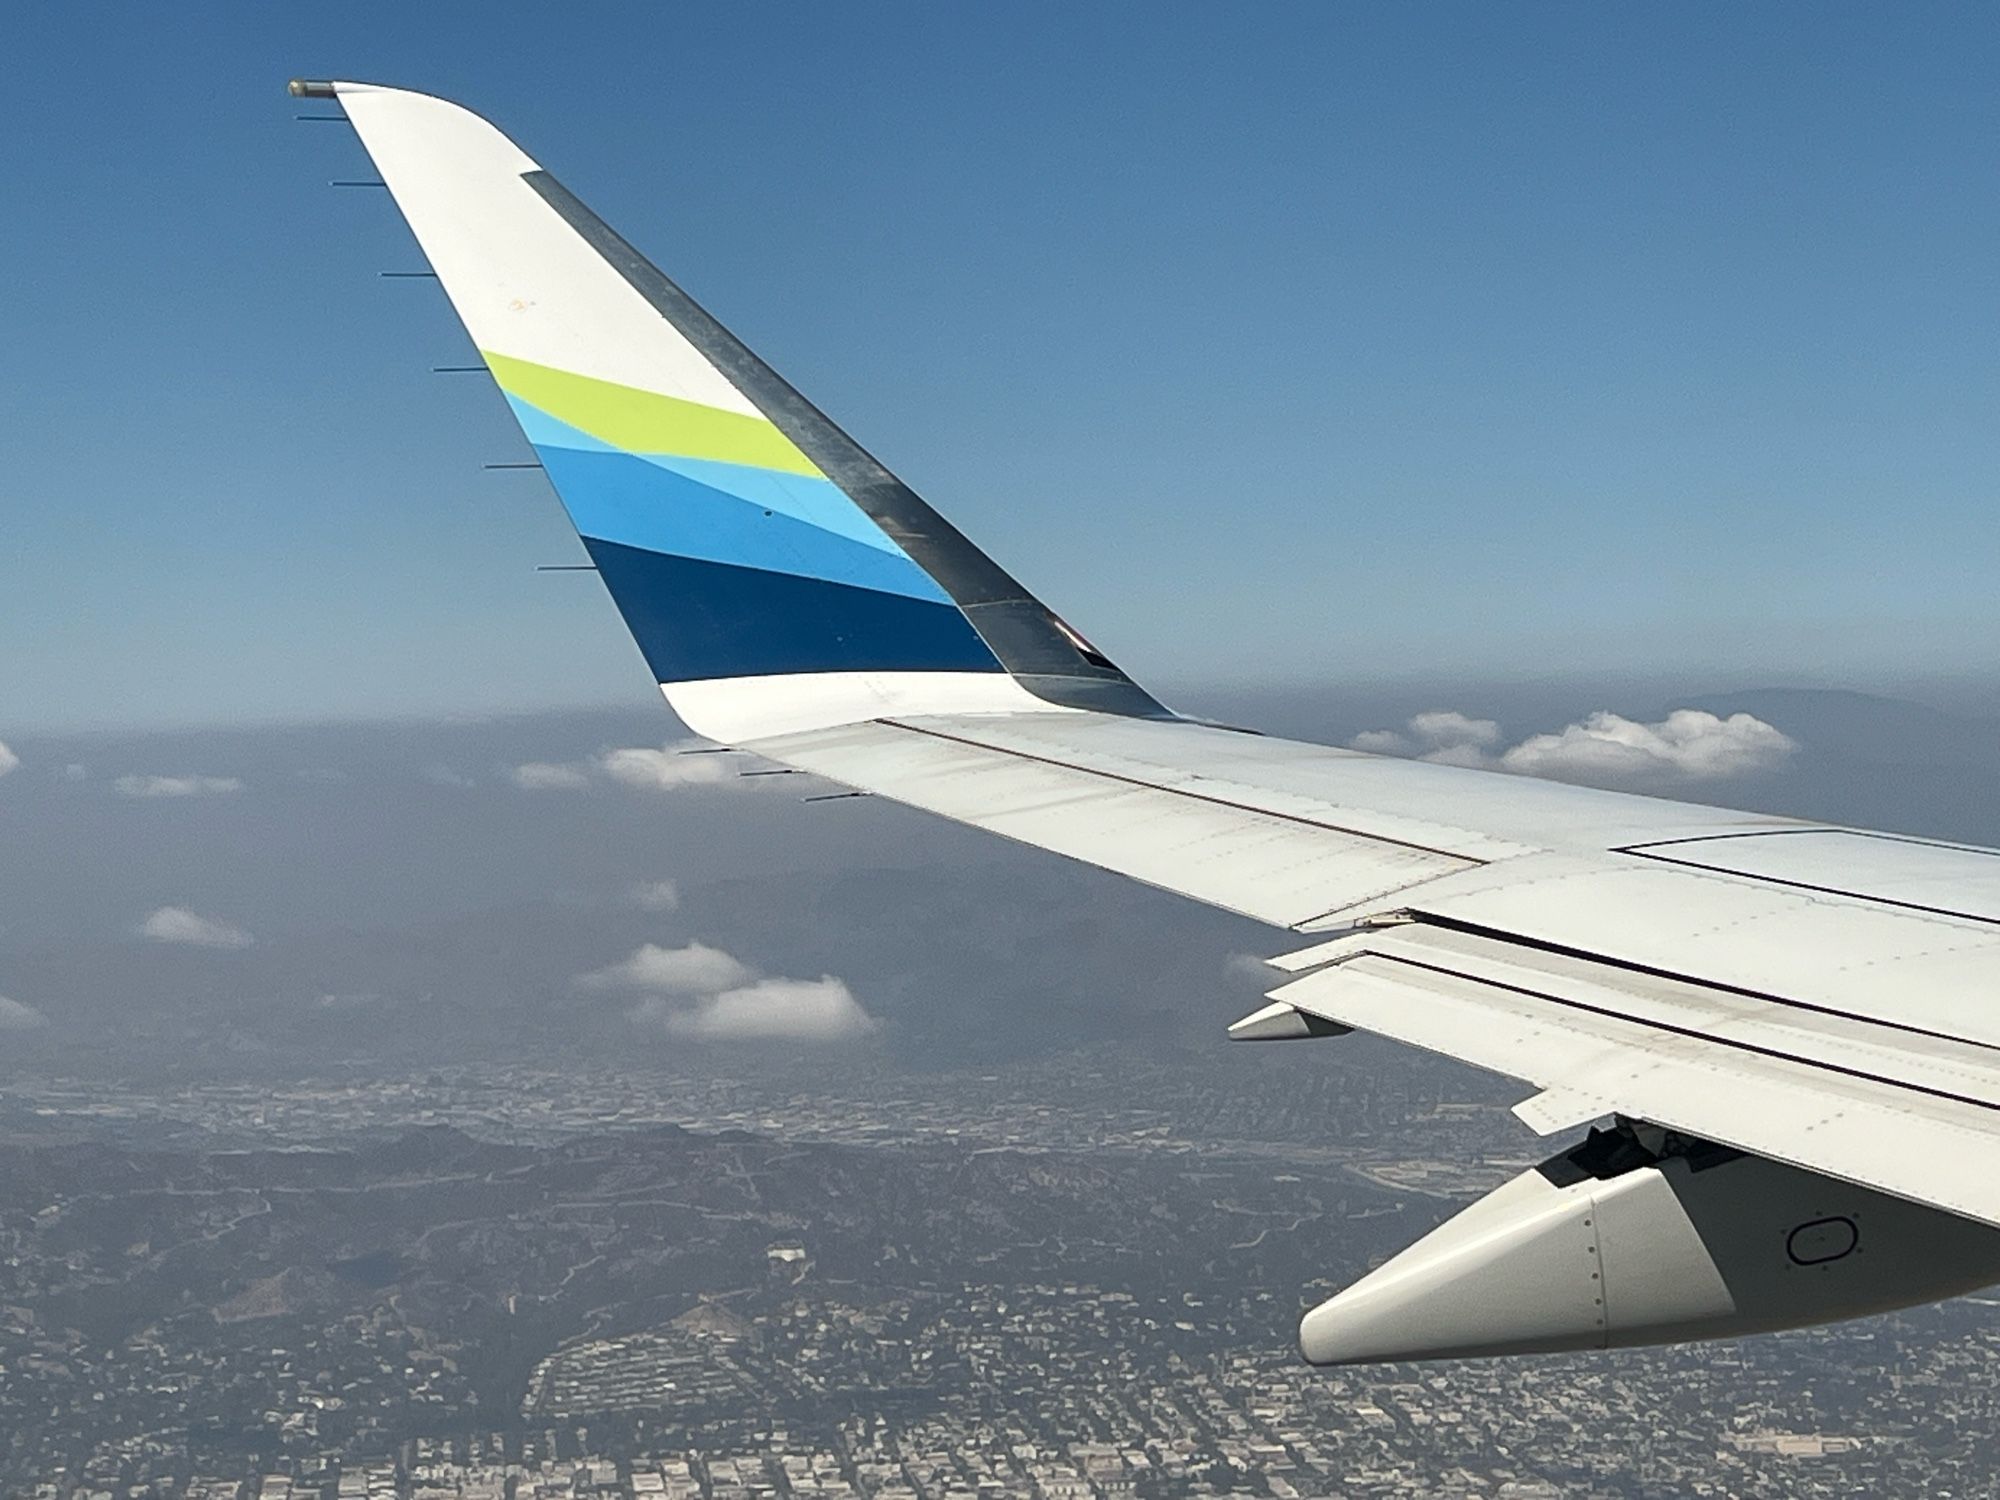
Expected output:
{"points": [[1819, 1241]]}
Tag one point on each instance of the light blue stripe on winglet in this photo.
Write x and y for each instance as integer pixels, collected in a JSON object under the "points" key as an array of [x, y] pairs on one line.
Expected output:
{"points": [[619, 497], [545, 431], [817, 502]]}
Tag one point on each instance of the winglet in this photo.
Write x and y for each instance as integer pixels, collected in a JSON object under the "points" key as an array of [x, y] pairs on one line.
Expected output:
{"points": [[775, 575]]}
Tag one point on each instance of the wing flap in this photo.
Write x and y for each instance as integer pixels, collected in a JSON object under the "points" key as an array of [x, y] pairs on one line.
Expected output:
{"points": [[1855, 1045], [1827, 1098], [1882, 869], [1927, 973]]}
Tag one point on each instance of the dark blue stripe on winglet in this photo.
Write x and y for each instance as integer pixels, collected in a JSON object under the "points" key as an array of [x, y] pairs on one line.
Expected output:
{"points": [[695, 620]]}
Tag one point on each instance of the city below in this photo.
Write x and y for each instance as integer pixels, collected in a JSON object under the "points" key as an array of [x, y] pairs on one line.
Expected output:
{"points": [[1075, 1279]]}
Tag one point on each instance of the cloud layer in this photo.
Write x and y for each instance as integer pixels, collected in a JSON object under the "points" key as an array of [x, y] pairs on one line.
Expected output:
{"points": [[704, 993], [176, 786], [1689, 745], [14, 1016], [8, 759], [176, 924]]}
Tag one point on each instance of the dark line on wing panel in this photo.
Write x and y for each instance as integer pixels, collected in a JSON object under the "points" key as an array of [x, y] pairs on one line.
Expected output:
{"points": [[1717, 838], [1823, 890], [1631, 966], [1695, 1034], [1151, 786], [1821, 828]]}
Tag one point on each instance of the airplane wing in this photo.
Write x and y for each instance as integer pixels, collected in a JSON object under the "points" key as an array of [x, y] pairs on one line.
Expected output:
{"points": [[1816, 997]]}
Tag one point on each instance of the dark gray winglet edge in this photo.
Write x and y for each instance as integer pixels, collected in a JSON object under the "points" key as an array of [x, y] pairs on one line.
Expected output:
{"points": [[1037, 648]]}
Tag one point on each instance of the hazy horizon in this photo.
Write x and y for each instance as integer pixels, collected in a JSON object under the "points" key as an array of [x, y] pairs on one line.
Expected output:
{"points": [[475, 886]]}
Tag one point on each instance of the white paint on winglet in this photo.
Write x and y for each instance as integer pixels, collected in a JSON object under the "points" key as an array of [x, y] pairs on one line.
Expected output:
{"points": [[738, 710]]}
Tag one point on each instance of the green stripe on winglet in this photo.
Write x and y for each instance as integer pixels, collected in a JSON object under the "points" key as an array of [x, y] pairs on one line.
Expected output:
{"points": [[646, 422]]}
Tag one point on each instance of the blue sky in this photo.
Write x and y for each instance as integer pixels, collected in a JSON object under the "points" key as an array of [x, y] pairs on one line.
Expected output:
{"points": [[1289, 344]]}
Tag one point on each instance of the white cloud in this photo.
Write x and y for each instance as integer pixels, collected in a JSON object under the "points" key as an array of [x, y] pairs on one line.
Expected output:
{"points": [[176, 786], [8, 759], [74, 771], [544, 776], [702, 992], [448, 776], [1443, 728], [696, 969], [655, 895], [1382, 742], [1251, 967], [818, 1010], [14, 1016], [664, 769], [1439, 735], [176, 924], [1688, 745]]}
